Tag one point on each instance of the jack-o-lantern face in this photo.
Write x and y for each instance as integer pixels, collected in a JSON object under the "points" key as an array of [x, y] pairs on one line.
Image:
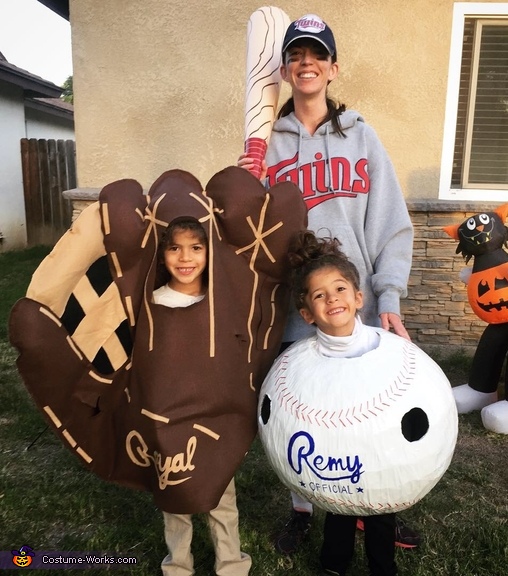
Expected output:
{"points": [[22, 560], [22, 557], [488, 294]]}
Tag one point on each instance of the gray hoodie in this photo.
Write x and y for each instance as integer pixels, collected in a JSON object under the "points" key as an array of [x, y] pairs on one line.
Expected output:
{"points": [[352, 193]]}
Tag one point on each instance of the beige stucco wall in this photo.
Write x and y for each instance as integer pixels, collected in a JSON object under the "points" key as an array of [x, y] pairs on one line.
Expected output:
{"points": [[159, 84]]}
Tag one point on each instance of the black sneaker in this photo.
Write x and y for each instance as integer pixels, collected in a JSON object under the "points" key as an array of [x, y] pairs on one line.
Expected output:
{"points": [[293, 533], [405, 537]]}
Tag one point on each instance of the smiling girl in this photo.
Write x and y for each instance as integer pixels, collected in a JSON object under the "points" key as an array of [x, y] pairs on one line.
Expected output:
{"points": [[327, 294], [326, 289]]}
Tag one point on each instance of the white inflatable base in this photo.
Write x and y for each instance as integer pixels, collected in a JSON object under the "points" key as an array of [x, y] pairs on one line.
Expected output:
{"points": [[468, 400], [495, 417]]}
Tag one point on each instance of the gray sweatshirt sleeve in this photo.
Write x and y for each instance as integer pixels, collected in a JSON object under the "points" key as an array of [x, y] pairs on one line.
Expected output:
{"points": [[388, 230]]}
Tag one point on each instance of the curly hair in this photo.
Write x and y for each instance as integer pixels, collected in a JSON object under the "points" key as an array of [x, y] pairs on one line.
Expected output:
{"points": [[308, 253], [183, 223]]}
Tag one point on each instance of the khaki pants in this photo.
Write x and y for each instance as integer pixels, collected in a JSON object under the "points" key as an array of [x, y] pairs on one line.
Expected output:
{"points": [[223, 522]]}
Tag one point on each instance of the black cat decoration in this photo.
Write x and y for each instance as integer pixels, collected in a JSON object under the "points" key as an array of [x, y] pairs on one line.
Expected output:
{"points": [[483, 237]]}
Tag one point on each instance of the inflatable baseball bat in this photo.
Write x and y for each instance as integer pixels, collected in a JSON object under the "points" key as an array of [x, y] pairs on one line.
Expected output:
{"points": [[265, 33]]}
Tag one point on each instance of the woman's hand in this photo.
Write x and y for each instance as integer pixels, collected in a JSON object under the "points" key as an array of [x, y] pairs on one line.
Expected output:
{"points": [[248, 163], [392, 320]]}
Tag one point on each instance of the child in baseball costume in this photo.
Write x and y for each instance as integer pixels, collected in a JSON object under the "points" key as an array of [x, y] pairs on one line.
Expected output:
{"points": [[144, 393], [326, 288], [351, 191], [183, 259]]}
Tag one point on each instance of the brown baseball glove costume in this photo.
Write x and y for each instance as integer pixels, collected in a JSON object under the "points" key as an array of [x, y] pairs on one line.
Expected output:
{"points": [[156, 398]]}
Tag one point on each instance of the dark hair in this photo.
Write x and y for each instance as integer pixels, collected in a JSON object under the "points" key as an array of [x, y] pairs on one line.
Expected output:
{"points": [[333, 114], [334, 109], [308, 253], [162, 276]]}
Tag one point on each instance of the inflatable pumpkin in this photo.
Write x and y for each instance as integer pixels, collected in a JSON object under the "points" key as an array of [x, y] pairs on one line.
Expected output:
{"points": [[488, 293], [483, 237], [358, 436]]}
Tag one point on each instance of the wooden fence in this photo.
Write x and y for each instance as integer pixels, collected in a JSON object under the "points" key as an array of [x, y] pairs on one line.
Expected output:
{"points": [[49, 168]]}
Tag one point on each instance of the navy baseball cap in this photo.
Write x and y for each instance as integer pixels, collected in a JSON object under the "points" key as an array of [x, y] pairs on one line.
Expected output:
{"points": [[310, 26]]}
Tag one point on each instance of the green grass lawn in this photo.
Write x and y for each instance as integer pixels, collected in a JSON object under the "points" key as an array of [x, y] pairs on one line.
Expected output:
{"points": [[50, 502]]}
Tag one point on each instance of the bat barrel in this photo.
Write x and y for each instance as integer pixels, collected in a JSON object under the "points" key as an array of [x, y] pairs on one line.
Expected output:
{"points": [[266, 29]]}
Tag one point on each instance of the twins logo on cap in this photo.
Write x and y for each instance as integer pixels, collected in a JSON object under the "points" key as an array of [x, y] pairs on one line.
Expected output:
{"points": [[310, 26], [310, 23]]}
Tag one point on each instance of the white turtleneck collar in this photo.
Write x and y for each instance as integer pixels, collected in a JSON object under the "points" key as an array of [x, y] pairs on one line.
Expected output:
{"points": [[362, 340]]}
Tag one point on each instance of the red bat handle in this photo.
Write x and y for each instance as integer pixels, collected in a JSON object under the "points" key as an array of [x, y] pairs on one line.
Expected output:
{"points": [[255, 148]]}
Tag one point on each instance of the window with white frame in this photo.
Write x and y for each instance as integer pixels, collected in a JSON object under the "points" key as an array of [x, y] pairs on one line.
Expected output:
{"points": [[475, 147]]}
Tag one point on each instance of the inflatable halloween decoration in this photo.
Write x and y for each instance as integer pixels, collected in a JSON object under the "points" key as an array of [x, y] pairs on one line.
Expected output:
{"points": [[358, 436], [266, 29], [483, 237], [157, 398]]}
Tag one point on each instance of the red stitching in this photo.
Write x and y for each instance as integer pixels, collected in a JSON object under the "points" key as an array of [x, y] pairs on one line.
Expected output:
{"points": [[396, 389], [348, 504]]}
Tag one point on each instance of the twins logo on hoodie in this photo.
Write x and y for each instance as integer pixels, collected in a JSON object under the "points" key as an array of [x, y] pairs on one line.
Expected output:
{"points": [[313, 178]]}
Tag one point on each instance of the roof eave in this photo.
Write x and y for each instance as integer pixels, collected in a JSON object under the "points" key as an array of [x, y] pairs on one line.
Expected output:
{"points": [[60, 7], [31, 86], [49, 109]]}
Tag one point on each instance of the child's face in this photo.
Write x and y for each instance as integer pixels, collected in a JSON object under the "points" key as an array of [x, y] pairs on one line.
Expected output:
{"points": [[331, 302], [185, 259]]}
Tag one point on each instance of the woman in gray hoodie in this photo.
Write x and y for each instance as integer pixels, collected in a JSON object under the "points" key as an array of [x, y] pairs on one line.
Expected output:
{"points": [[351, 191], [346, 177]]}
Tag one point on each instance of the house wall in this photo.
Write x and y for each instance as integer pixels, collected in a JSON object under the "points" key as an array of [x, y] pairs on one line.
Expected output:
{"points": [[12, 207], [160, 84], [48, 127]]}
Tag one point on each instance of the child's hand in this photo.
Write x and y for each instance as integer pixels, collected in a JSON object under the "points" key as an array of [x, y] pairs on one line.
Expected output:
{"points": [[248, 163], [465, 274]]}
